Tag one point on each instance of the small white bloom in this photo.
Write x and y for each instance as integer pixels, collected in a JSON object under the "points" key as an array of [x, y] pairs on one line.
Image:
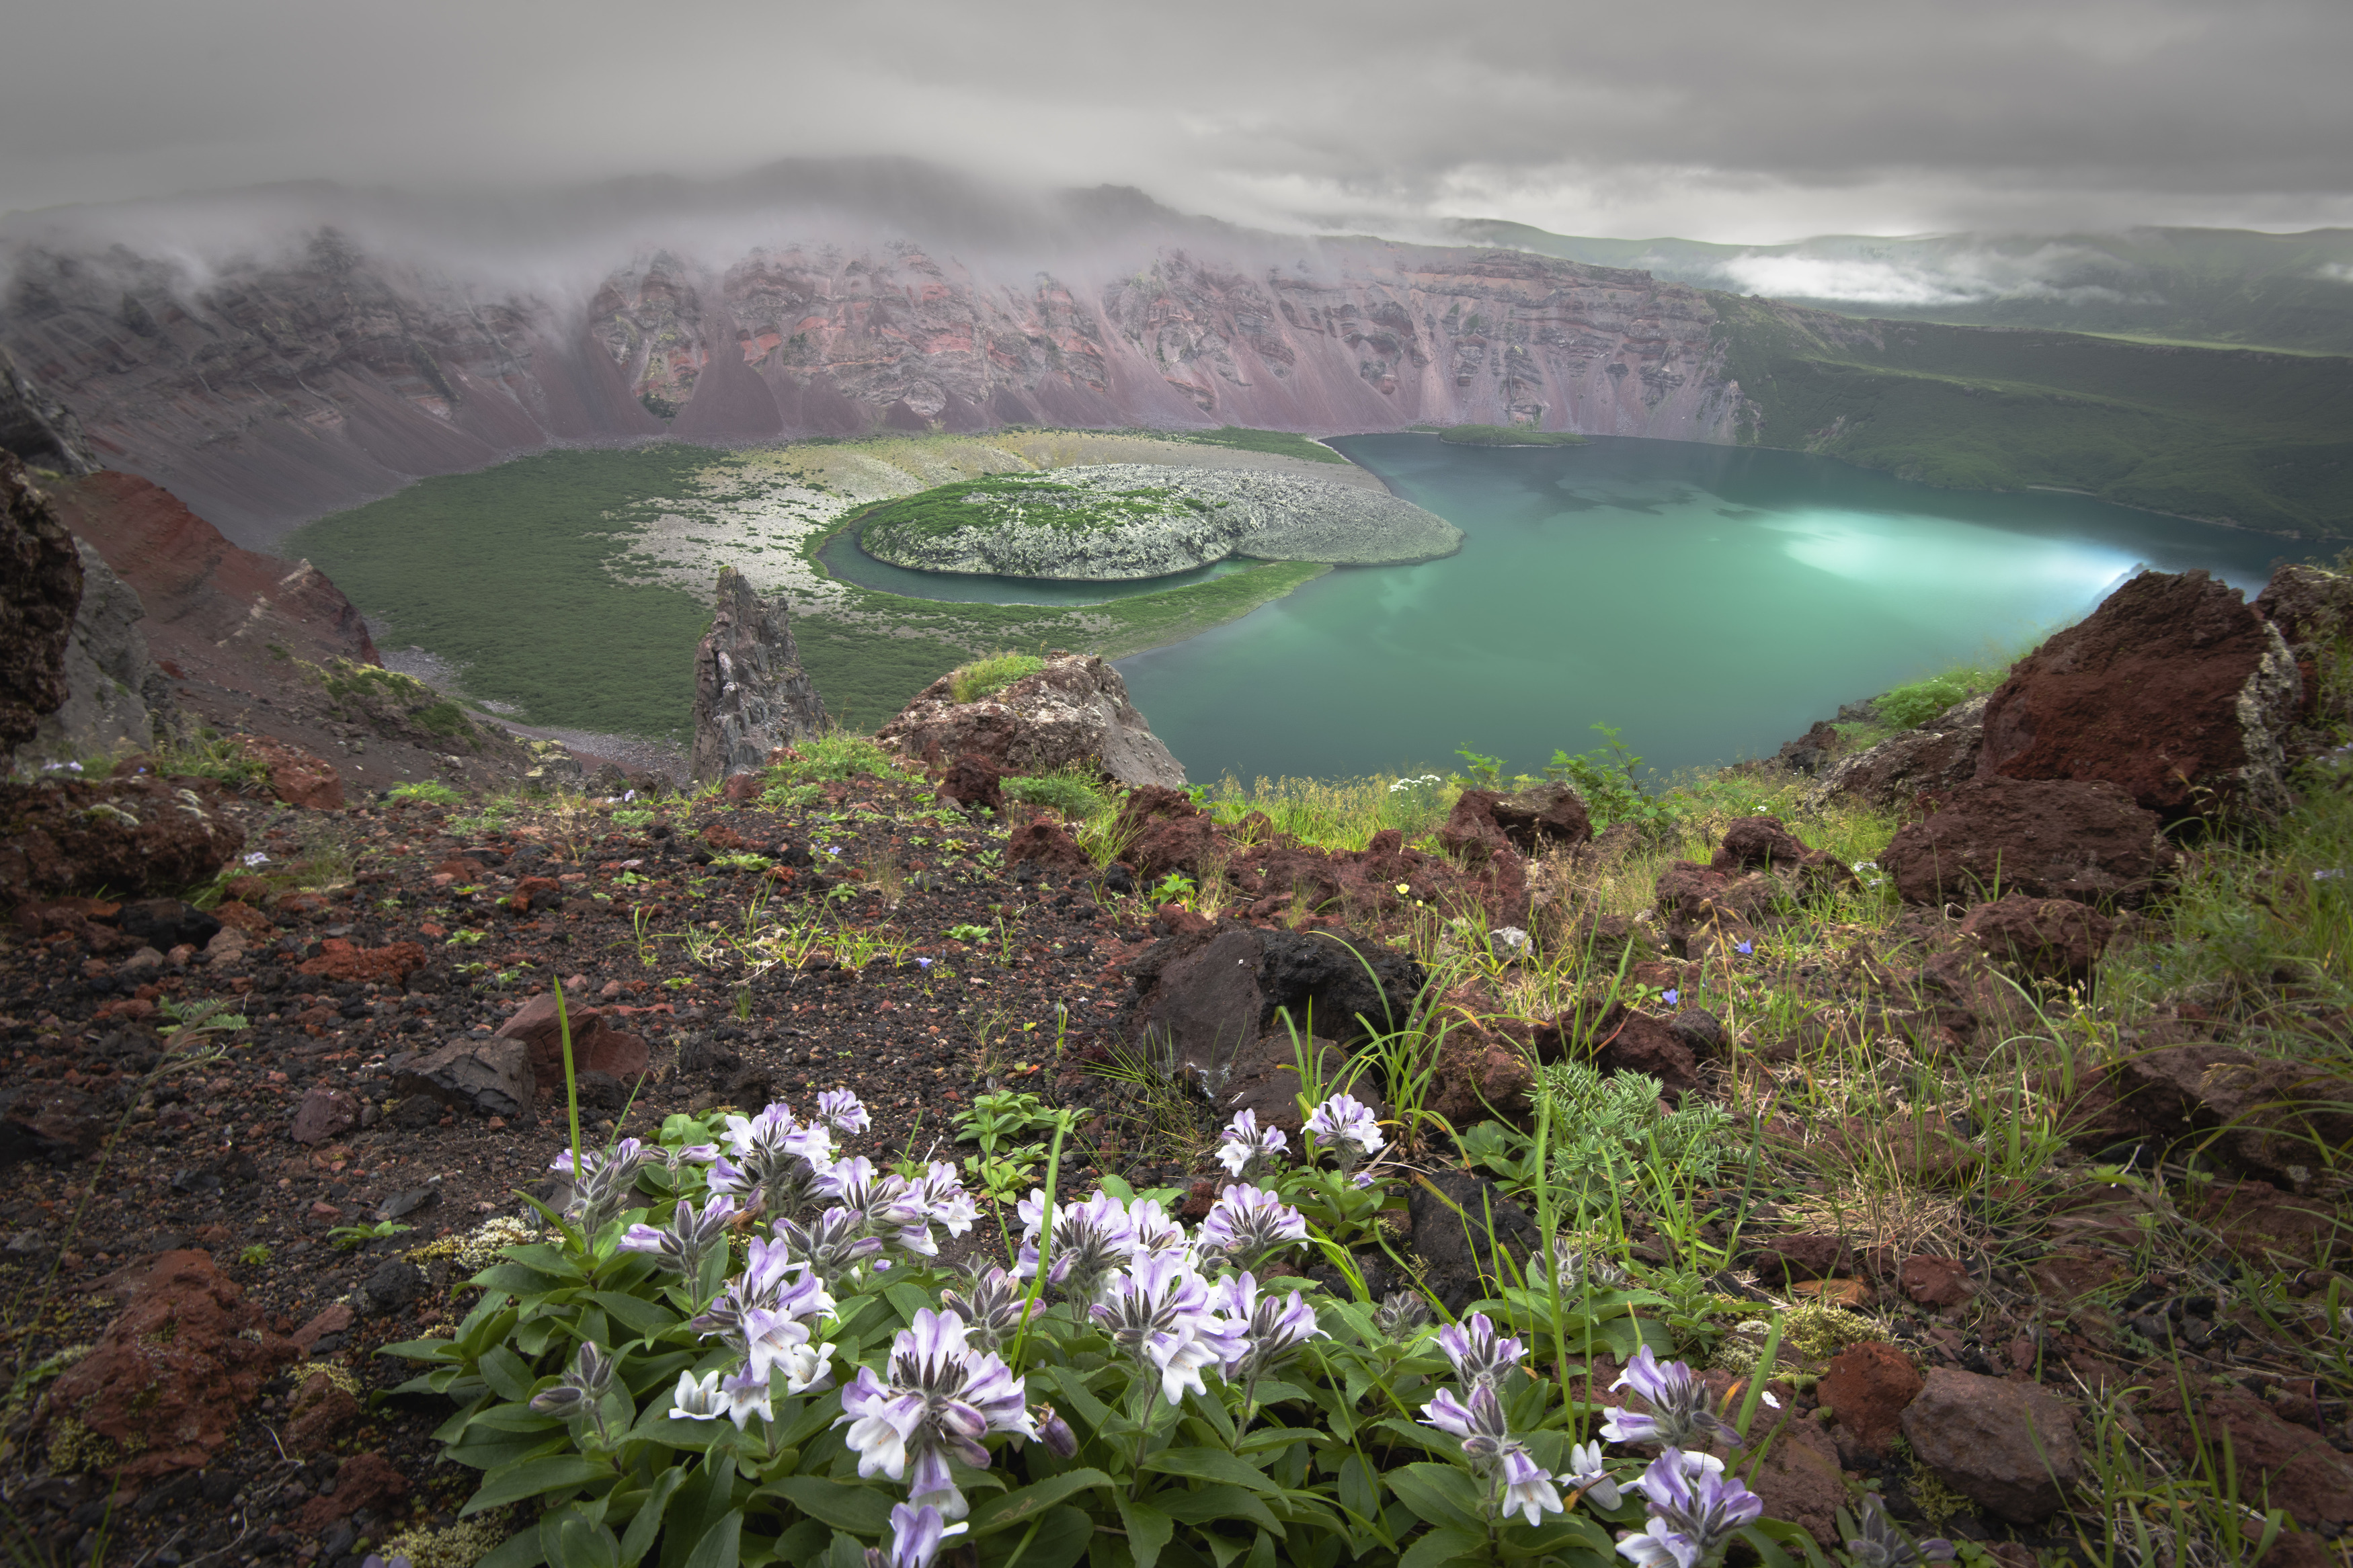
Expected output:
{"points": [[698, 1398]]}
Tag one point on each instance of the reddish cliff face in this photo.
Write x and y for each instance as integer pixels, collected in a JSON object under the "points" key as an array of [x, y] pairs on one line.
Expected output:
{"points": [[215, 614], [272, 393]]}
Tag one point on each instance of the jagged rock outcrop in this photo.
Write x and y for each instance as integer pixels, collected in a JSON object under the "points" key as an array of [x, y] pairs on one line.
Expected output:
{"points": [[40, 589], [1904, 771], [40, 431], [2048, 838], [2174, 689], [115, 694], [751, 694], [1072, 713]]}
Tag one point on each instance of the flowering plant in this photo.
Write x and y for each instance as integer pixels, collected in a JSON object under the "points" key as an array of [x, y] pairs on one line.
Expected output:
{"points": [[738, 1344]]}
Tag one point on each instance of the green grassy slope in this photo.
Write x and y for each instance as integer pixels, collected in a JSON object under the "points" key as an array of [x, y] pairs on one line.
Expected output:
{"points": [[2264, 440]]}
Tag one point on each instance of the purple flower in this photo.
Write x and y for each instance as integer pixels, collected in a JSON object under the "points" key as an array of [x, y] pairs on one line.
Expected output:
{"points": [[1055, 1432], [916, 1537], [886, 1206], [1671, 998], [582, 1387], [1480, 1358], [603, 1186], [1700, 1503], [698, 1398], [1343, 1121], [747, 1396], [1679, 1415], [1248, 1144], [775, 1156], [843, 1111], [1492, 1453], [1658, 1545], [830, 1246], [1250, 1223], [993, 1305], [1585, 1473], [1154, 1231], [943, 1196], [942, 1397], [1743, 947], [1883, 1545], [1157, 1312], [1090, 1240], [689, 1238], [1262, 1332]]}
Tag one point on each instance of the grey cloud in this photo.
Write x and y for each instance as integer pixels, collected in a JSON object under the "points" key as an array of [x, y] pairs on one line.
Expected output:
{"points": [[1582, 117]]}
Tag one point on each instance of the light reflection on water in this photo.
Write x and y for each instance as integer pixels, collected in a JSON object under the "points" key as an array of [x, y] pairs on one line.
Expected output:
{"points": [[1710, 602]]}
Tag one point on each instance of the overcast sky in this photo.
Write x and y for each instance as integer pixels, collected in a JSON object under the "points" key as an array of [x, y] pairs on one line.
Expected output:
{"points": [[1708, 119]]}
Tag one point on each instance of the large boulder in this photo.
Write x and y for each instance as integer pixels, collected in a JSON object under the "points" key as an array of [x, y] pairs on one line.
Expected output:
{"points": [[2040, 938], [1203, 998], [2086, 840], [2010, 1447], [131, 835], [40, 589], [1074, 713], [751, 694], [2174, 689]]}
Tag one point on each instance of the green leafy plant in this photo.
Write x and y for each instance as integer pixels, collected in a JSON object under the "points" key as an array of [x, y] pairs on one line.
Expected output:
{"points": [[255, 1255], [430, 792], [347, 1237]]}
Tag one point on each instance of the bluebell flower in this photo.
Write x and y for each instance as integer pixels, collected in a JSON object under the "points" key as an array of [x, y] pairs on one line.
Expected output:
{"points": [[1671, 998], [1744, 948]]}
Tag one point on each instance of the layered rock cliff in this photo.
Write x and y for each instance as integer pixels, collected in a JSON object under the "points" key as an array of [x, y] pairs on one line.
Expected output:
{"points": [[265, 392]]}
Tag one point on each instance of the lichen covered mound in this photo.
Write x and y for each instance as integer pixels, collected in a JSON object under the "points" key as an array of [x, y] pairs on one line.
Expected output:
{"points": [[1128, 520]]}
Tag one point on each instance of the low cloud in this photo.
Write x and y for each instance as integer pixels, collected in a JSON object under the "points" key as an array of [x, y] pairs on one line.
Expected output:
{"points": [[1928, 279]]}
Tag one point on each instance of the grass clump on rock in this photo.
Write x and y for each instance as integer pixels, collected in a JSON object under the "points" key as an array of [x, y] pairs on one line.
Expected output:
{"points": [[987, 676]]}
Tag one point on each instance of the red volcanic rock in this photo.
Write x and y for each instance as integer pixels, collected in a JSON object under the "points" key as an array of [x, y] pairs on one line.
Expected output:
{"points": [[1620, 1039], [972, 784], [2173, 689], [40, 588], [320, 1412], [1163, 831], [2043, 939], [2085, 840], [1049, 846], [2279, 1462], [595, 1045], [340, 959], [1910, 770], [295, 777], [1935, 1281], [174, 1372], [324, 1113], [213, 608], [130, 835], [364, 1482], [1869, 1386]]}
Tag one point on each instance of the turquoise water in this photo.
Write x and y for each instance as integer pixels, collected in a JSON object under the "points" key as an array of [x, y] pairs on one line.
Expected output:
{"points": [[1710, 602], [848, 563]]}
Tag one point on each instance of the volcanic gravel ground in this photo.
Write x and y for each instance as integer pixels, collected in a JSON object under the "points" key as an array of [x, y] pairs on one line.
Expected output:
{"points": [[206, 1160]]}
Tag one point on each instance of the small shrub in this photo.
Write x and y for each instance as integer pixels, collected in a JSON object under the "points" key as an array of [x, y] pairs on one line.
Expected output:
{"points": [[1078, 796], [987, 676], [432, 792]]}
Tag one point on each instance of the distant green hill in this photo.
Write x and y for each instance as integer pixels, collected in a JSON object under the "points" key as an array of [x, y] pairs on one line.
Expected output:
{"points": [[2261, 439], [2201, 286]]}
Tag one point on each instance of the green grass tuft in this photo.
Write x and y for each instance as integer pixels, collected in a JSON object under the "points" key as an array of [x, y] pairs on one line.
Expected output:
{"points": [[987, 676]]}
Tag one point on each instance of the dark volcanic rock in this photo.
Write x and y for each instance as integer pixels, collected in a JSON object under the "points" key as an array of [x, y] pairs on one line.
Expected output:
{"points": [[492, 1077], [1905, 771], [1205, 997], [165, 923], [40, 588], [1473, 1237], [111, 685], [751, 695], [1075, 714], [2085, 840], [2041, 939], [36, 428], [2174, 689], [597, 1047]]}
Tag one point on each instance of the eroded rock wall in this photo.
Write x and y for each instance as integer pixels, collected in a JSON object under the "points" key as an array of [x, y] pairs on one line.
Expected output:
{"points": [[269, 392]]}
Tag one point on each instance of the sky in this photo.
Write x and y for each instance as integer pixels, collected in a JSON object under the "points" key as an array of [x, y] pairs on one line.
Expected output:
{"points": [[1739, 121]]}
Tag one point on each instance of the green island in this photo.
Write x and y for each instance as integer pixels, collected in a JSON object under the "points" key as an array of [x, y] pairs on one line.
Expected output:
{"points": [[615, 549]]}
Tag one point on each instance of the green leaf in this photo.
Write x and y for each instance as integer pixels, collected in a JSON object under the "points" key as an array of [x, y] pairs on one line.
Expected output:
{"points": [[514, 1279], [648, 1520], [534, 1478], [1022, 1506], [636, 1313], [861, 1511], [1211, 1464], [1061, 1538], [1442, 1546], [804, 1542], [1440, 1495], [1360, 1489], [544, 1259], [423, 1349], [1218, 1502], [508, 1374], [719, 1545], [508, 1448], [521, 1550], [1148, 1530]]}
